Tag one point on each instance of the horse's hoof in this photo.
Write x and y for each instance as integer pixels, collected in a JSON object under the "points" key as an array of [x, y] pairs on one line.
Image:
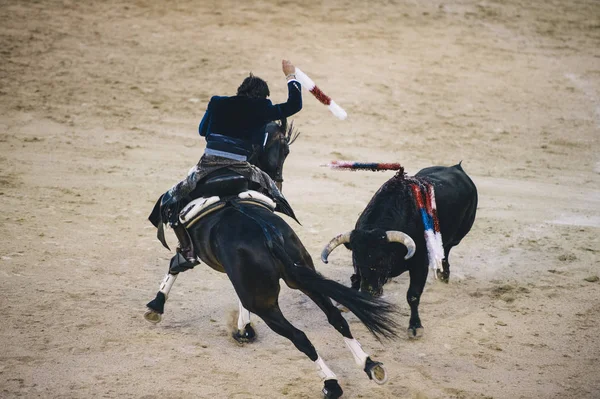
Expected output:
{"points": [[442, 276], [246, 337], [376, 371], [332, 390], [415, 332], [152, 316], [158, 304]]}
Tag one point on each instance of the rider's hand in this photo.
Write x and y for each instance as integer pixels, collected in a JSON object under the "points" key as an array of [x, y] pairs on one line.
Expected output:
{"points": [[287, 67]]}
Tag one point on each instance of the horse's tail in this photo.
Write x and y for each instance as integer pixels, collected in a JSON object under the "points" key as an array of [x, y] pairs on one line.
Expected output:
{"points": [[376, 314]]}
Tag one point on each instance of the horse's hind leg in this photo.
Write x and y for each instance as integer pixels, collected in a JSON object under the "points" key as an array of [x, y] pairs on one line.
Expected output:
{"points": [[374, 370], [156, 307], [278, 323], [245, 332]]}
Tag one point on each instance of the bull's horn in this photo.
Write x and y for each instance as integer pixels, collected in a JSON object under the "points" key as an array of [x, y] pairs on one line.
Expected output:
{"points": [[337, 240], [403, 238]]}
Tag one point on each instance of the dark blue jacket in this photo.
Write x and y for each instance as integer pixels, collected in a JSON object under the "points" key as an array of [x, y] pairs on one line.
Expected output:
{"points": [[234, 124]]}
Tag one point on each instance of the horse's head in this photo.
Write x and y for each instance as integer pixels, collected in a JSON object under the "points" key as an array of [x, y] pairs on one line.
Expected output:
{"points": [[276, 149]]}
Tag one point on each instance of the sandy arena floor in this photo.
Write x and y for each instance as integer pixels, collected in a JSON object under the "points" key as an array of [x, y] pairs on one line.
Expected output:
{"points": [[99, 106]]}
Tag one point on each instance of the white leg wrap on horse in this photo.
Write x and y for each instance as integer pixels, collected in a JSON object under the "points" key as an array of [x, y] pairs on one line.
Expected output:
{"points": [[243, 318], [360, 357], [324, 371], [167, 283]]}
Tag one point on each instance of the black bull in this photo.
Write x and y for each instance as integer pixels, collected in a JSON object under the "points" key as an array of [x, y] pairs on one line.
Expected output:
{"points": [[391, 227]]}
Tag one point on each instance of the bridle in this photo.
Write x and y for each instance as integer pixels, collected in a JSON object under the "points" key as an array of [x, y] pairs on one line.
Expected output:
{"points": [[283, 135]]}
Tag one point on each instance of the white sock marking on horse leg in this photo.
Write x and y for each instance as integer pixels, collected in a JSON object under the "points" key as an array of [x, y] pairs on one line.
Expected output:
{"points": [[243, 317], [324, 371], [360, 357], [167, 283]]}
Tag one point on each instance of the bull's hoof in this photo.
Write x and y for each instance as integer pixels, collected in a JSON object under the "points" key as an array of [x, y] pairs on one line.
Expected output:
{"points": [[332, 390], [443, 276], [415, 332], [376, 371], [245, 337], [152, 316]]}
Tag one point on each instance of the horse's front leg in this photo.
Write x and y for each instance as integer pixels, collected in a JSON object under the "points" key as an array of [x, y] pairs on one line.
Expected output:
{"points": [[245, 331], [156, 307]]}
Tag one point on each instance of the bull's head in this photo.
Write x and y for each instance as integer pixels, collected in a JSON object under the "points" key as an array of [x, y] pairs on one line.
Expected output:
{"points": [[372, 255]]}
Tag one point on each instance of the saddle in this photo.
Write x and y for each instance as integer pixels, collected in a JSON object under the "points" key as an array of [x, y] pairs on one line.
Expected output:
{"points": [[212, 193], [201, 207], [222, 183]]}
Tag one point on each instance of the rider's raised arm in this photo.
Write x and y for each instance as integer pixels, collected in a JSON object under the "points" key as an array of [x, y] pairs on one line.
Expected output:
{"points": [[291, 106], [294, 101]]}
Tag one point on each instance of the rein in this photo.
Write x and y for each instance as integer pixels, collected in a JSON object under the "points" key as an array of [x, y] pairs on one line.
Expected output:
{"points": [[281, 138]]}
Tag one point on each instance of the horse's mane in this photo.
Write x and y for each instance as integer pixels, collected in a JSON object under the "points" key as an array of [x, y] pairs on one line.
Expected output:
{"points": [[292, 134], [289, 132]]}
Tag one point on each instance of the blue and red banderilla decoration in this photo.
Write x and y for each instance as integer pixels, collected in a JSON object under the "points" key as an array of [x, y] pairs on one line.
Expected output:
{"points": [[424, 196], [372, 166], [428, 210]]}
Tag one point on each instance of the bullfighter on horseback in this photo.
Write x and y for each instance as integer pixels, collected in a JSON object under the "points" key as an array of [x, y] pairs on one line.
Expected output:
{"points": [[234, 127], [241, 235]]}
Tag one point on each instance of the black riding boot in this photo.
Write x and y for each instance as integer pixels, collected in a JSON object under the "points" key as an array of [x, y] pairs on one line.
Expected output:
{"points": [[185, 258]]}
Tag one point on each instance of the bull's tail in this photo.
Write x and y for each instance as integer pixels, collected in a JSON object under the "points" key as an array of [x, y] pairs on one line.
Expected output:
{"points": [[376, 314]]}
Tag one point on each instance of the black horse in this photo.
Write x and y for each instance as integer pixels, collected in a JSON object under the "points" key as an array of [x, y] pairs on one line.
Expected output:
{"points": [[257, 248]]}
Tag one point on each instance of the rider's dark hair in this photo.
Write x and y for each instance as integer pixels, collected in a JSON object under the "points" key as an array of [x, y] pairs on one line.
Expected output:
{"points": [[253, 87]]}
